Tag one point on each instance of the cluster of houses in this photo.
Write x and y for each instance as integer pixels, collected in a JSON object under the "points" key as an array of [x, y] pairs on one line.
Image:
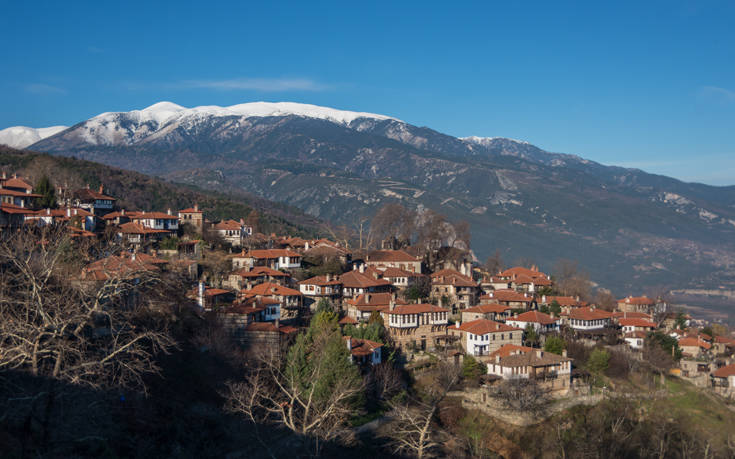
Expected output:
{"points": [[264, 298]]}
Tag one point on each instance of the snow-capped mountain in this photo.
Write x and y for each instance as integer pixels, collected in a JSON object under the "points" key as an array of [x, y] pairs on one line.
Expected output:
{"points": [[156, 121], [627, 227], [23, 136]]}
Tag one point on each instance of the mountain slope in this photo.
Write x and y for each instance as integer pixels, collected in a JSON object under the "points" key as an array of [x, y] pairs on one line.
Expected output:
{"points": [[23, 136], [134, 190], [630, 229]]}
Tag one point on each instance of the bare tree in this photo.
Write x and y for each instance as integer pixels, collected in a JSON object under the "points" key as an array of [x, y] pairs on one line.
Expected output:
{"points": [[521, 394], [101, 330], [310, 392], [412, 432], [570, 280], [494, 263]]}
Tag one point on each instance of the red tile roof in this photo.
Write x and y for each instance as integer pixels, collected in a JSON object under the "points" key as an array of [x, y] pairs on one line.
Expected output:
{"points": [[487, 308], [114, 266], [228, 225], [321, 281], [136, 228], [725, 371], [190, 210], [13, 209], [691, 342], [362, 347], [510, 349], [484, 326], [452, 277], [269, 253], [347, 320], [587, 313], [640, 300], [639, 334], [88, 193], [397, 272], [356, 279], [7, 192], [562, 300], [271, 289], [636, 322], [16, 182], [270, 327], [259, 271], [534, 316]]}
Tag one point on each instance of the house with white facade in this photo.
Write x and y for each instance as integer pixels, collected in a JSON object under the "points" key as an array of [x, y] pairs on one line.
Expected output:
{"points": [[588, 318], [542, 323], [482, 336], [364, 351], [551, 371]]}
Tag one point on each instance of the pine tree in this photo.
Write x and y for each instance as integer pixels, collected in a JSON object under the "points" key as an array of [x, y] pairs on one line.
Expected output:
{"points": [[46, 189]]}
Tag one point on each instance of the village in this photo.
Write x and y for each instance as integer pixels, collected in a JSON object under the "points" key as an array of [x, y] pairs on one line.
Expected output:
{"points": [[508, 321]]}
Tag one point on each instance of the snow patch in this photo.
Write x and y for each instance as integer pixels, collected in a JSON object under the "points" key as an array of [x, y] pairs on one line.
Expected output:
{"points": [[23, 136]]}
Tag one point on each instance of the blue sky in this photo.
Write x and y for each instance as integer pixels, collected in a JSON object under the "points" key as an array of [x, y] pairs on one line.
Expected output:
{"points": [[638, 84]]}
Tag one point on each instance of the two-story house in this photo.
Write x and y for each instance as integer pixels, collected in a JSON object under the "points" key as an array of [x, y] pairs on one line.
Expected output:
{"points": [[95, 201], [453, 289], [482, 336], [588, 318], [541, 323], [491, 311], [161, 221], [192, 216], [15, 191], [552, 372], [398, 259], [272, 258], [315, 288], [420, 325]]}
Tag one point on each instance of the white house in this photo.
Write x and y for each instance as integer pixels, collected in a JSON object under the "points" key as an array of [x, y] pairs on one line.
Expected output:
{"points": [[542, 323], [364, 351], [482, 336], [589, 318]]}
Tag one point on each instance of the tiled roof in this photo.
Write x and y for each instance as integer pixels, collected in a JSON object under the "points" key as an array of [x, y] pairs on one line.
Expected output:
{"points": [[588, 313], [639, 334], [259, 271], [114, 266], [13, 209], [390, 256], [136, 228], [16, 182], [510, 349], [269, 253], [362, 347], [724, 339], [356, 279], [321, 281], [397, 272], [228, 225], [153, 214], [452, 277], [487, 308], [7, 192], [521, 271], [484, 326], [374, 299], [641, 300], [725, 371], [90, 194], [691, 342], [534, 316], [347, 320], [417, 309], [635, 322], [507, 296], [190, 210], [270, 327], [536, 358], [524, 279], [271, 289]]}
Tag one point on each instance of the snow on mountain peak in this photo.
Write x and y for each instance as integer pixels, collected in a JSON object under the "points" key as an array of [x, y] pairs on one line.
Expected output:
{"points": [[485, 141], [23, 136]]}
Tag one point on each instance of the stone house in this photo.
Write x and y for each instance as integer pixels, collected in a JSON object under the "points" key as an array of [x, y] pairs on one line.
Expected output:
{"points": [[422, 325], [482, 336]]}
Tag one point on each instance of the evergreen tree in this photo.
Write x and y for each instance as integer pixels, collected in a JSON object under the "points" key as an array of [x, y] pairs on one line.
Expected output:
{"points": [[554, 344], [46, 189]]}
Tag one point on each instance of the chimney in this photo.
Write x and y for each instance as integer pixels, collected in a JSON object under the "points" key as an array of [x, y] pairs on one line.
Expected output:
{"points": [[87, 185], [242, 222], [168, 211], [122, 212], [391, 304], [349, 343], [5, 175], [196, 207], [564, 353], [553, 315], [362, 268], [543, 299], [278, 323], [497, 358], [101, 189], [200, 297], [456, 324], [68, 212], [15, 175], [539, 353], [354, 267], [132, 256], [48, 211], [76, 211]]}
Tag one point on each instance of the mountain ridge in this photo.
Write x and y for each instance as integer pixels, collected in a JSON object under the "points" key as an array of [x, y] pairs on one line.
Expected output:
{"points": [[632, 230]]}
